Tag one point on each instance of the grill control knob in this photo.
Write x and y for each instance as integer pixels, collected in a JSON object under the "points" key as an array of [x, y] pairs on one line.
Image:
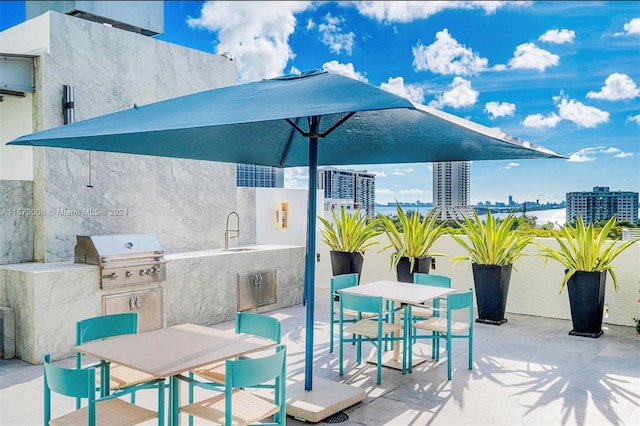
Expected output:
{"points": [[142, 272], [129, 274], [114, 275]]}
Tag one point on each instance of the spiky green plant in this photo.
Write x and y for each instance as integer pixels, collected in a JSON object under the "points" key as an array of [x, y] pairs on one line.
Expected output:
{"points": [[583, 248], [490, 242], [349, 232], [414, 237]]}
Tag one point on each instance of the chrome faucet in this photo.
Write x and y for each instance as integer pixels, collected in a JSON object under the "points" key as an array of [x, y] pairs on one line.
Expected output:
{"points": [[227, 230]]}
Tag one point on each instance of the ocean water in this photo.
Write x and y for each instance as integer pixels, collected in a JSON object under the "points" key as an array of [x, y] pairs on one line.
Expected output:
{"points": [[555, 216]]}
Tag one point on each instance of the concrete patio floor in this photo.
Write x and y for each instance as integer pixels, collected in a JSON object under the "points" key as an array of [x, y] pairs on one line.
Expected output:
{"points": [[528, 371]]}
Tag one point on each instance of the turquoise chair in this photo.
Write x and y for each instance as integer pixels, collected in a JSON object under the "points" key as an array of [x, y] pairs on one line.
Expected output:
{"points": [[424, 312], [120, 377], [248, 323], [371, 325], [108, 410], [339, 282], [236, 404], [446, 328]]}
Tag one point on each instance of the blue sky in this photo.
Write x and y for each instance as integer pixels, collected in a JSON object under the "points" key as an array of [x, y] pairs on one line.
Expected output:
{"points": [[564, 75]]}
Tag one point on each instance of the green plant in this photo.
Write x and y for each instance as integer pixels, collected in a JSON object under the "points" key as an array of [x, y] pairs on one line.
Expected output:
{"points": [[583, 248], [350, 232], [491, 242], [413, 236]]}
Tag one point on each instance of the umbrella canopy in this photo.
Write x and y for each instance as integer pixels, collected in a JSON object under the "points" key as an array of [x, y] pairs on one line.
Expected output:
{"points": [[279, 122], [247, 124]]}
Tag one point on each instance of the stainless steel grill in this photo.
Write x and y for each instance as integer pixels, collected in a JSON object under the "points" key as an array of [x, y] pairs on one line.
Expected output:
{"points": [[124, 259]]}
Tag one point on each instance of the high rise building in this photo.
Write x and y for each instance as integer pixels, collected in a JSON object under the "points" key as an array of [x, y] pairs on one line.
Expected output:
{"points": [[259, 176], [451, 189], [602, 204], [349, 188]]}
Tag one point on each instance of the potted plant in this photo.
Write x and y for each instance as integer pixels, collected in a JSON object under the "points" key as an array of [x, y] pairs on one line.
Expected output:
{"points": [[492, 249], [412, 241], [587, 259], [348, 237]]}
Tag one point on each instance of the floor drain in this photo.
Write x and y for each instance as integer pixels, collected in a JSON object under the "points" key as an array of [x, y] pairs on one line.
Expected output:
{"points": [[336, 418]]}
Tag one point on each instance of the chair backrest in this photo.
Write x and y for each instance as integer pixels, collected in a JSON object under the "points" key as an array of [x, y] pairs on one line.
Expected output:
{"points": [[338, 282], [259, 325], [76, 383], [430, 279], [248, 372], [361, 303], [460, 300], [105, 326]]}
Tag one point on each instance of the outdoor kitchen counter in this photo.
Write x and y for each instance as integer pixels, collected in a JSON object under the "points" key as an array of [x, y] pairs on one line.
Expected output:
{"points": [[201, 288]]}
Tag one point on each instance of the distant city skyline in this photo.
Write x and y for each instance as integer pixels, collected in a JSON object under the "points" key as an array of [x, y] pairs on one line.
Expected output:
{"points": [[561, 74]]}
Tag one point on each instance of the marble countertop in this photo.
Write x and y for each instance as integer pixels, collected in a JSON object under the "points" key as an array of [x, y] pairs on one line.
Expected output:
{"points": [[39, 267], [231, 251]]}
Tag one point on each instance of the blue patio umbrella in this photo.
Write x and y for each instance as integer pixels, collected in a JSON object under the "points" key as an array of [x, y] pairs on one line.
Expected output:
{"points": [[279, 122]]}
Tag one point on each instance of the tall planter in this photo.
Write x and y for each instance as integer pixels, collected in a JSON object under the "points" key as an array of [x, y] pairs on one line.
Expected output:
{"points": [[586, 299], [343, 262], [492, 287], [403, 268]]}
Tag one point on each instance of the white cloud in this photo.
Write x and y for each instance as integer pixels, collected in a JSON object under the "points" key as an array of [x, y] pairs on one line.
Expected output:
{"points": [[411, 191], [296, 177], [582, 156], [530, 56], [510, 166], [343, 69], [558, 36], [539, 120], [402, 172], [631, 27], [446, 56], [332, 35], [616, 87], [255, 33], [408, 11], [634, 119], [499, 109], [384, 191], [580, 114], [624, 154], [460, 95], [588, 154], [378, 174], [411, 91]]}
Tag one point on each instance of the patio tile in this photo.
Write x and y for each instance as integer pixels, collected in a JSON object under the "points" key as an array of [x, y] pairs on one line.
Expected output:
{"points": [[528, 371]]}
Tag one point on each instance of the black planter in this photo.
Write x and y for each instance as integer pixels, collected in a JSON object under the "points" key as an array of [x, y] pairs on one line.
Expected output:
{"points": [[586, 298], [404, 273], [492, 287], [343, 262]]}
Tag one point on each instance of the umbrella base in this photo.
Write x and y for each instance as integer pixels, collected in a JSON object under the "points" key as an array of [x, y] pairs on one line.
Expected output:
{"points": [[326, 398]]}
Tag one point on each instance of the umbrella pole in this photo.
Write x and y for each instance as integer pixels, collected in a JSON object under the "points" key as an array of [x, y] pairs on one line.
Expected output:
{"points": [[310, 266]]}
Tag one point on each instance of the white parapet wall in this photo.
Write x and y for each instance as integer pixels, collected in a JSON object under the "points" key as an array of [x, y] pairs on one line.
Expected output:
{"points": [[534, 288]]}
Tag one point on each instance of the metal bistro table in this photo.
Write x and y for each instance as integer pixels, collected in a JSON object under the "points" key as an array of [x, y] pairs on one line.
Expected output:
{"points": [[406, 293], [171, 351]]}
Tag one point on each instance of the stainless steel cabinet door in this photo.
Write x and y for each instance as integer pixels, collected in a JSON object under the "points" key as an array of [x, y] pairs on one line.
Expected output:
{"points": [[147, 303]]}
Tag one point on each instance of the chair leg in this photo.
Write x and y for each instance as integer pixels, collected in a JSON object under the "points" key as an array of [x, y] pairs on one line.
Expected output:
{"points": [[331, 323], [161, 403], [379, 366], [470, 351], [191, 386], [341, 351], [449, 356]]}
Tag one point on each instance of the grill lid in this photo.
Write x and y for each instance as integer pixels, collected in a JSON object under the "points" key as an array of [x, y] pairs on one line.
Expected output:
{"points": [[100, 249]]}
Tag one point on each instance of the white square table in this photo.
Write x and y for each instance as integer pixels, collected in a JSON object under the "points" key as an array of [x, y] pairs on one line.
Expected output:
{"points": [[407, 293], [174, 350]]}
